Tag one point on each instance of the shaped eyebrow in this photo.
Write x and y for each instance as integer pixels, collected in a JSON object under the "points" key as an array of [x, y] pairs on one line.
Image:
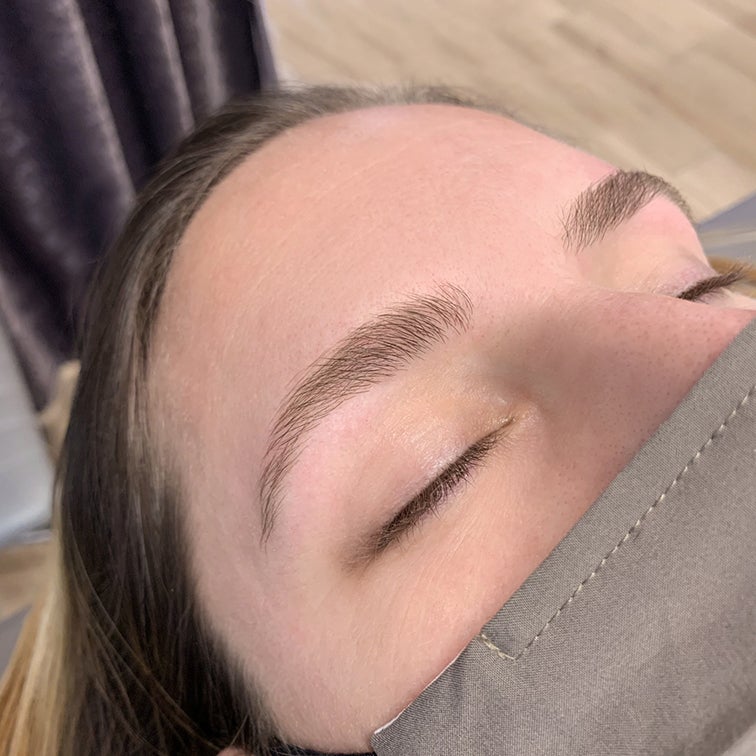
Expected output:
{"points": [[371, 353], [377, 350], [612, 201]]}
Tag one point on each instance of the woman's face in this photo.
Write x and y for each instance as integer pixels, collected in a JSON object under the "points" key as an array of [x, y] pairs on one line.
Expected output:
{"points": [[523, 351]]}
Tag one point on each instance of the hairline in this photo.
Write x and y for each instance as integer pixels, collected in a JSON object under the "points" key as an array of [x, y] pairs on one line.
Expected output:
{"points": [[159, 382]]}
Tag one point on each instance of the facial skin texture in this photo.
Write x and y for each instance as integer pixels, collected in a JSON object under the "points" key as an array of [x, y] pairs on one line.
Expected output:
{"points": [[327, 226]]}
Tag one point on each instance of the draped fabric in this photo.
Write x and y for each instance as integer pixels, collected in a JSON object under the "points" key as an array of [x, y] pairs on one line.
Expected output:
{"points": [[92, 94]]}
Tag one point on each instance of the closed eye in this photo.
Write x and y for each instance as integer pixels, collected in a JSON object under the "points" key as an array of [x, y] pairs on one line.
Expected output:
{"points": [[432, 497], [698, 290]]}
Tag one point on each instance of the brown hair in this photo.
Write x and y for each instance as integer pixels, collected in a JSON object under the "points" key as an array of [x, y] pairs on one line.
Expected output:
{"points": [[117, 656]]}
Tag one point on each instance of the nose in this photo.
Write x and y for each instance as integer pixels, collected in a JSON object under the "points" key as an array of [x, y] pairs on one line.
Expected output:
{"points": [[617, 367]]}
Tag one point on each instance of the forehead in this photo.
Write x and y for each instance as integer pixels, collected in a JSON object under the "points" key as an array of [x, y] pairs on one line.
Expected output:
{"points": [[359, 197], [334, 220]]}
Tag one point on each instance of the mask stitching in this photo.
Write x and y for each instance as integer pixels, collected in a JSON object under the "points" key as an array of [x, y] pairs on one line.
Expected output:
{"points": [[483, 638]]}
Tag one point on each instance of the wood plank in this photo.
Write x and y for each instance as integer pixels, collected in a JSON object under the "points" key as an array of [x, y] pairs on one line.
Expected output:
{"points": [[669, 85]]}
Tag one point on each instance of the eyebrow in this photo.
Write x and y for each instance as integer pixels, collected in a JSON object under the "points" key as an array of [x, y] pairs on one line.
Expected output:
{"points": [[371, 353], [607, 204], [380, 348]]}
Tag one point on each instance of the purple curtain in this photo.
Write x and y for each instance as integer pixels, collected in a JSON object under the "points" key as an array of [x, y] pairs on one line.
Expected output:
{"points": [[92, 94]]}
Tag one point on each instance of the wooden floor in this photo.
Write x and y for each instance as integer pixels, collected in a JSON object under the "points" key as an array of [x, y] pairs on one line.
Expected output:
{"points": [[665, 85]]}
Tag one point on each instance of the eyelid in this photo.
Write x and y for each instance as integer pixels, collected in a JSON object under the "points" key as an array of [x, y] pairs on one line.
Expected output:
{"points": [[431, 498], [694, 293]]}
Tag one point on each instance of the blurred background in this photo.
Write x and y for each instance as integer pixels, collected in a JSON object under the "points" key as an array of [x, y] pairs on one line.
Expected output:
{"points": [[669, 87], [665, 86]]}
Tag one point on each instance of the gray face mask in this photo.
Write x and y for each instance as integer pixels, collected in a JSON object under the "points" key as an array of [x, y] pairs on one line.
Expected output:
{"points": [[637, 635]]}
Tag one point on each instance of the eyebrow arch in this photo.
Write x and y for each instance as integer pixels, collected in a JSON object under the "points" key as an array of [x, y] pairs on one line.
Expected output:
{"points": [[612, 201], [371, 353]]}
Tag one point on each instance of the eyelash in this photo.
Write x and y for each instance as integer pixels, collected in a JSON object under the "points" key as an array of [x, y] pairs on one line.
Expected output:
{"points": [[436, 493], [698, 290], [431, 498]]}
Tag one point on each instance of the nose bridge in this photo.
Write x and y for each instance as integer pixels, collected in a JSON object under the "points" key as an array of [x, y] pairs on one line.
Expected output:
{"points": [[618, 363], [633, 325]]}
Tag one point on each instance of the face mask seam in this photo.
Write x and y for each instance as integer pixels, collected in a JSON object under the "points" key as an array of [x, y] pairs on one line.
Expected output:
{"points": [[483, 638]]}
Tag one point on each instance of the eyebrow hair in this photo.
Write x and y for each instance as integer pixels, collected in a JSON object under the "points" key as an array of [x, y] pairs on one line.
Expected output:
{"points": [[373, 352], [610, 202]]}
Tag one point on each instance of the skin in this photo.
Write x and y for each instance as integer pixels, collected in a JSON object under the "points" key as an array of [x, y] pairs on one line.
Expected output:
{"points": [[322, 229]]}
